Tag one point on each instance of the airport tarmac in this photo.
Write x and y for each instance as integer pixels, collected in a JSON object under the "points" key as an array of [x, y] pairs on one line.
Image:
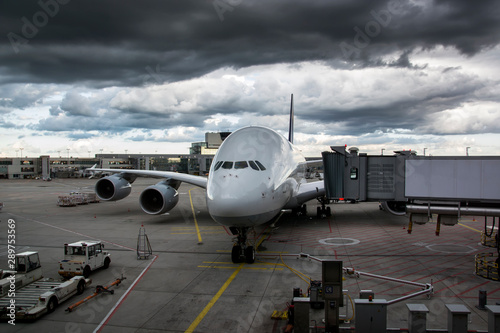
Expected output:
{"points": [[191, 285]]}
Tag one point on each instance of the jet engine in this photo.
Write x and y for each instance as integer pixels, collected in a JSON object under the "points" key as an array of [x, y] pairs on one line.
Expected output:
{"points": [[112, 188], [394, 207], [159, 198]]}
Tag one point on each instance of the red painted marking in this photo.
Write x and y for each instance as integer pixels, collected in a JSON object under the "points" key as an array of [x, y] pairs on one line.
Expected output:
{"points": [[227, 231], [479, 285], [126, 295]]}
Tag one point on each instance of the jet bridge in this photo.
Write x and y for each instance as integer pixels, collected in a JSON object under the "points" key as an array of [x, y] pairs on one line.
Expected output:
{"points": [[404, 183]]}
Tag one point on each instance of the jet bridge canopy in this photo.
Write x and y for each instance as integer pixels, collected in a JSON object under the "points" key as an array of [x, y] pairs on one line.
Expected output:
{"points": [[469, 179], [451, 185]]}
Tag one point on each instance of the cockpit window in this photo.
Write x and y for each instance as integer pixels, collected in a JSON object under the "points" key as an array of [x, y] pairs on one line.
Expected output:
{"points": [[253, 165], [227, 165], [240, 165], [256, 165], [218, 165], [260, 165]]}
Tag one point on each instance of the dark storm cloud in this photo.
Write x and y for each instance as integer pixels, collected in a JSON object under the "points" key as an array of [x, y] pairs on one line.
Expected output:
{"points": [[124, 43], [113, 122], [123, 68]]}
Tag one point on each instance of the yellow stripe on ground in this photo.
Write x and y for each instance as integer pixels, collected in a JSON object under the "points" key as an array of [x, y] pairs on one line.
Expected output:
{"points": [[264, 235], [192, 232], [229, 263], [205, 227], [466, 226], [194, 217], [246, 267], [214, 264], [207, 308], [266, 252]]}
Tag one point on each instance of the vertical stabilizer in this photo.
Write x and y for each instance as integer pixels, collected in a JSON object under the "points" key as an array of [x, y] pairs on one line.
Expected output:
{"points": [[290, 128]]}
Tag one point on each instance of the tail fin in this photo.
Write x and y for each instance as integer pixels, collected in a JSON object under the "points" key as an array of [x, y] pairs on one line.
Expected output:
{"points": [[290, 127]]}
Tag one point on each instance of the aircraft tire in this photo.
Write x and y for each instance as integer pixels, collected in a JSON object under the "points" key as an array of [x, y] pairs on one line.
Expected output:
{"points": [[250, 255], [235, 254]]}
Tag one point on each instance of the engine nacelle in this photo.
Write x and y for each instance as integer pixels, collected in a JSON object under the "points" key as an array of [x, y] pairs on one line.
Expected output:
{"points": [[394, 207], [112, 188], [159, 198]]}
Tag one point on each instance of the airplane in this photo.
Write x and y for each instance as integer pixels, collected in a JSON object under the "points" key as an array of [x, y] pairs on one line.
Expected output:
{"points": [[255, 175]]}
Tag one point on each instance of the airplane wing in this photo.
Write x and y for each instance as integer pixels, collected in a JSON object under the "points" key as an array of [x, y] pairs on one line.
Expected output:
{"points": [[309, 191], [183, 177], [315, 162]]}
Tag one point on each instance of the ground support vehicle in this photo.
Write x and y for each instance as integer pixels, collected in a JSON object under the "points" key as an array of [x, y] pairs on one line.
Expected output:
{"points": [[83, 257], [26, 295], [76, 198]]}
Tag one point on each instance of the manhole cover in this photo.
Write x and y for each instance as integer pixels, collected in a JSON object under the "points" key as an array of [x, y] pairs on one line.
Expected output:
{"points": [[339, 241], [451, 248]]}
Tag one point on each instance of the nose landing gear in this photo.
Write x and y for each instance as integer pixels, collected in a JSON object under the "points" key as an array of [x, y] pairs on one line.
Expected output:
{"points": [[242, 251]]}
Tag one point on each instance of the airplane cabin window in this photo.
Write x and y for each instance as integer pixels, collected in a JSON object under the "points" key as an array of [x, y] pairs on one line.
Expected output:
{"points": [[218, 165], [260, 165], [253, 165], [227, 165], [240, 164]]}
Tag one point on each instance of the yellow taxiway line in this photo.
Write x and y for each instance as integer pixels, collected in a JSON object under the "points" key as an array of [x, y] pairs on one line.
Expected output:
{"points": [[466, 226], [207, 308], [194, 217]]}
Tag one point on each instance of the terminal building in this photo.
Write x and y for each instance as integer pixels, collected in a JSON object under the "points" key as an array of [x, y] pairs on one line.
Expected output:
{"points": [[197, 162]]}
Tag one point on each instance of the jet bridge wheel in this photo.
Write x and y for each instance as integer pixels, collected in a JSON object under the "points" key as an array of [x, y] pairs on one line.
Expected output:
{"points": [[324, 210]]}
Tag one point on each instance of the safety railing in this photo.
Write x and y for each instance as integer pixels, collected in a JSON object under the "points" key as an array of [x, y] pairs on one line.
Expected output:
{"points": [[489, 241], [487, 266]]}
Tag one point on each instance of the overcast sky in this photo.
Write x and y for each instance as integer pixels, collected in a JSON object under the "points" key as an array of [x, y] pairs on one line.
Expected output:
{"points": [[154, 76]]}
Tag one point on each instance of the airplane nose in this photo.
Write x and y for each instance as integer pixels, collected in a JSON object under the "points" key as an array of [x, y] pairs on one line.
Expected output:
{"points": [[230, 196]]}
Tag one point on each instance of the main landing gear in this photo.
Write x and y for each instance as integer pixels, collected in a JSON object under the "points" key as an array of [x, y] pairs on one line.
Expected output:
{"points": [[242, 251]]}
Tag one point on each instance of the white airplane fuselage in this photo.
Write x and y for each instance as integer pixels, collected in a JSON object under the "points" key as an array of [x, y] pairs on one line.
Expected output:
{"points": [[254, 175]]}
